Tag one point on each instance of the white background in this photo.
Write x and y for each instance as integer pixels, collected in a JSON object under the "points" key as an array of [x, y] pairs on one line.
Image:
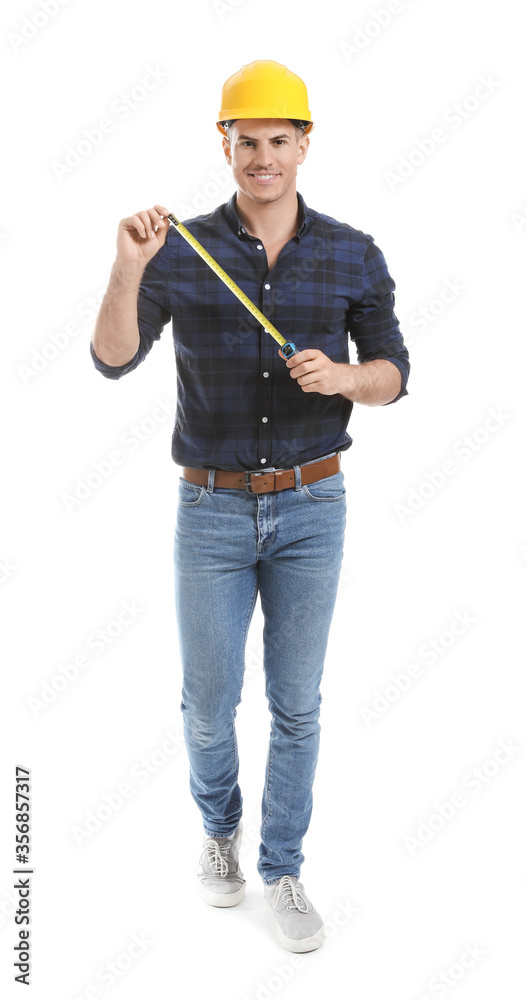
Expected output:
{"points": [[398, 916]]}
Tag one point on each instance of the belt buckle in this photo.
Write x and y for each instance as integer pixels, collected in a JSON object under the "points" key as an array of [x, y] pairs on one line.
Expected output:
{"points": [[247, 482]]}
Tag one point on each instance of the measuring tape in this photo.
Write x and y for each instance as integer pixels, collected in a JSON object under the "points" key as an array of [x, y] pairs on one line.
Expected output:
{"points": [[288, 348]]}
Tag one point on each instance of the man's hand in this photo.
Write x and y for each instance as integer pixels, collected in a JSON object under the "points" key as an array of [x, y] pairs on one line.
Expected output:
{"points": [[140, 236], [315, 372], [373, 382]]}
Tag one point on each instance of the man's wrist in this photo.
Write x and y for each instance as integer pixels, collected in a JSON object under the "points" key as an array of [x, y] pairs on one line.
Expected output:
{"points": [[373, 383], [127, 274], [346, 380]]}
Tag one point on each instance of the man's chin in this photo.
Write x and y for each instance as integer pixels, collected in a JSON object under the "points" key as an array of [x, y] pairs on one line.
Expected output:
{"points": [[263, 193]]}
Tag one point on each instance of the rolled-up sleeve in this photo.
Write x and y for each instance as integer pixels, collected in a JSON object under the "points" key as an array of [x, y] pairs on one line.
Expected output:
{"points": [[372, 322], [153, 313]]}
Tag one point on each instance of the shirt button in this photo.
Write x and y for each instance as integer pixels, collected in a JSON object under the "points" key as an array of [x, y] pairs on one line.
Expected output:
{"points": [[267, 286], [263, 461], [259, 246], [264, 420], [265, 374]]}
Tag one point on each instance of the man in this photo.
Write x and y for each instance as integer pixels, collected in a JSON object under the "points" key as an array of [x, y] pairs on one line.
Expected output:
{"points": [[261, 501]]}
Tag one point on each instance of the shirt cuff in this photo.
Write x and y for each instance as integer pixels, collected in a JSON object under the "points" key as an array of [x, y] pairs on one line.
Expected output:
{"points": [[404, 379], [113, 371]]}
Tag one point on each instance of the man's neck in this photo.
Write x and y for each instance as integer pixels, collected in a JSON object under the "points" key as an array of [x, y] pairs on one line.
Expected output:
{"points": [[274, 222]]}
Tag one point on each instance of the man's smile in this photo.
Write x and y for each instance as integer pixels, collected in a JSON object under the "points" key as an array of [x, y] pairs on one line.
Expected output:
{"points": [[264, 178]]}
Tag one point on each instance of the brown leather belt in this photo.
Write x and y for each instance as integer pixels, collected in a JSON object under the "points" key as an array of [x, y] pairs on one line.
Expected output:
{"points": [[266, 482]]}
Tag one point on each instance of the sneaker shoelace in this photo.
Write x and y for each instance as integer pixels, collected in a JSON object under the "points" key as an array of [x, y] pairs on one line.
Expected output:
{"points": [[218, 856], [291, 895]]}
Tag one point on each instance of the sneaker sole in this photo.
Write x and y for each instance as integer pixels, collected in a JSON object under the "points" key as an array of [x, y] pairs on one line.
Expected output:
{"points": [[222, 898], [297, 945]]}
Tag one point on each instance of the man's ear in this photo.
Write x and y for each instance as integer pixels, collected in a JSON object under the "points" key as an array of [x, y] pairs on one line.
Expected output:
{"points": [[226, 148], [303, 146]]}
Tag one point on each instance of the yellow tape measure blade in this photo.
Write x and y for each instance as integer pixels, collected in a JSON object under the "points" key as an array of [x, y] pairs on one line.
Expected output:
{"points": [[213, 264]]}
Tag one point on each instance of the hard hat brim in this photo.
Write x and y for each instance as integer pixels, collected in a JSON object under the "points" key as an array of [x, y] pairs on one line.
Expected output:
{"points": [[309, 127]]}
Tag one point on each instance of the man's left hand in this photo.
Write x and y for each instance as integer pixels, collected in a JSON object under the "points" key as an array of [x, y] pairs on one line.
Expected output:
{"points": [[315, 372]]}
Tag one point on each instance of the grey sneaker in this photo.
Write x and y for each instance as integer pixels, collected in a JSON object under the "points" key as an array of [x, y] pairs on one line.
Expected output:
{"points": [[221, 879], [299, 926]]}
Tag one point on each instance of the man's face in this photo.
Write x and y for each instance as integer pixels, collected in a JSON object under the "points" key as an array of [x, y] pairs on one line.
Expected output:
{"points": [[260, 147]]}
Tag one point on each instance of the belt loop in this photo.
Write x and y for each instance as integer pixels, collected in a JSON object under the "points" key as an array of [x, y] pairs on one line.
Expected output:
{"points": [[298, 477], [210, 480]]}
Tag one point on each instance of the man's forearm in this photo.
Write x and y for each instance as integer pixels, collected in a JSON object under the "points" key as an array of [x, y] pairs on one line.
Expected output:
{"points": [[116, 335], [373, 382]]}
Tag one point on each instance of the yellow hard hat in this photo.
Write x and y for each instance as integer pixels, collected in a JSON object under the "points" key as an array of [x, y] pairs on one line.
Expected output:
{"points": [[264, 89]]}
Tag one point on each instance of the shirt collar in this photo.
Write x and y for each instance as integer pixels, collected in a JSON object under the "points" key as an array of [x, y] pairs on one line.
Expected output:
{"points": [[230, 213]]}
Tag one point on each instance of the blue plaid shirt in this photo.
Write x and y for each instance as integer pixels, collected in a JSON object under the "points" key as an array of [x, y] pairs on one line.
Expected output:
{"points": [[237, 405]]}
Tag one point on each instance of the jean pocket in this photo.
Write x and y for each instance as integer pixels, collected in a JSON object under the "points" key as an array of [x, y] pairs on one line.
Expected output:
{"points": [[189, 494], [328, 489]]}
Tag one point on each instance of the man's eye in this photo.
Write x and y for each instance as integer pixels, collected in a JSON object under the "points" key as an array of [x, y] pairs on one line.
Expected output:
{"points": [[249, 142]]}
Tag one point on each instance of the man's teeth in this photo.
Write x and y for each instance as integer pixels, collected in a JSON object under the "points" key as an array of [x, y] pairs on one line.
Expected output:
{"points": [[264, 177]]}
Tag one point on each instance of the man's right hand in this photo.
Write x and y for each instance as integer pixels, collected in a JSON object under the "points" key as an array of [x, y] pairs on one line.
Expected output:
{"points": [[140, 236]]}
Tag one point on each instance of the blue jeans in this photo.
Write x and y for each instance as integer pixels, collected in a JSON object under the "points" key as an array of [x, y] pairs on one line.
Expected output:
{"points": [[228, 546]]}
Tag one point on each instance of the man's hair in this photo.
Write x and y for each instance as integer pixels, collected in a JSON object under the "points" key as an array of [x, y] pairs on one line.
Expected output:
{"points": [[300, 126]]}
